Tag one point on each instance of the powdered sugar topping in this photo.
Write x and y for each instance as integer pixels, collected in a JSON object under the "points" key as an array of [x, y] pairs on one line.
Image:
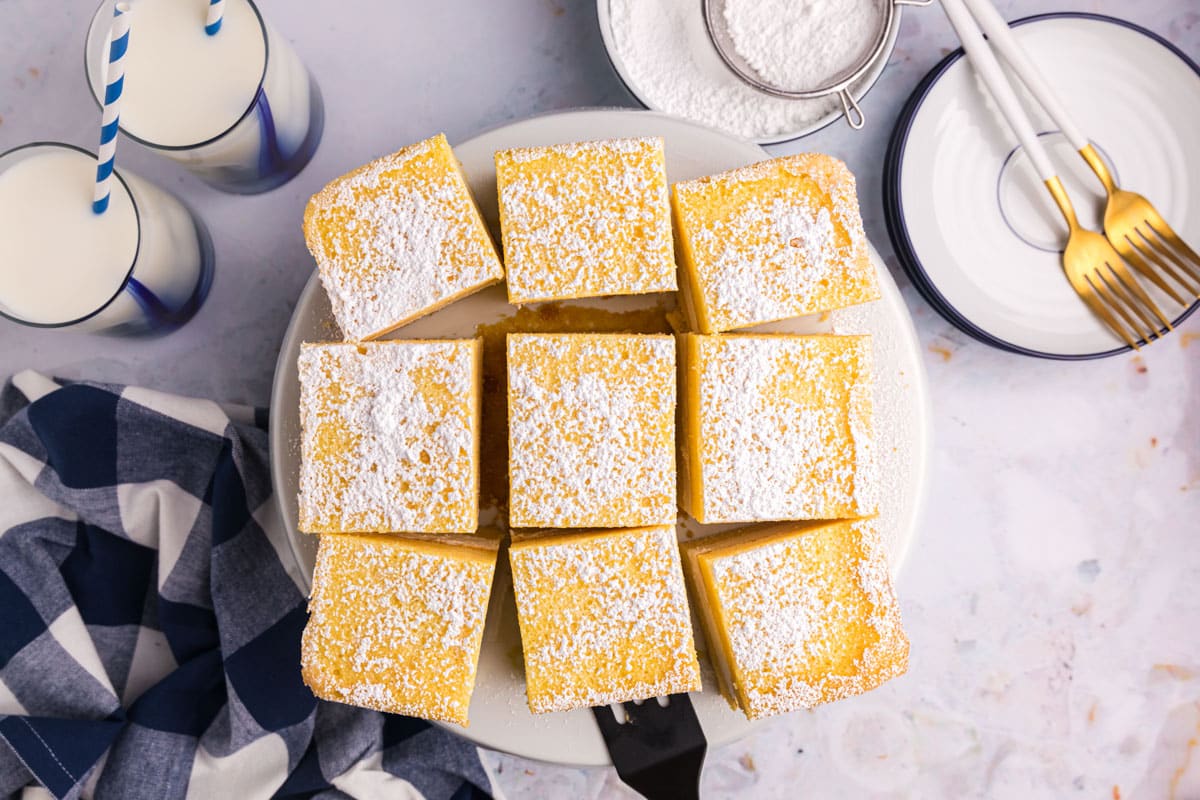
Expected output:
{"points": [[388, 437], [398, 238], [758, 283], [803, 44], [786, 619], [669, 60], [773, 409], [785, 240], [591, 430], [395, 628], [604, 619], [594, 221]]}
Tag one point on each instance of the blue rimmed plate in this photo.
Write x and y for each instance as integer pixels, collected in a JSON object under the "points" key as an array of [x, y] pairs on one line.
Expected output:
{"points": [[970, 220]]}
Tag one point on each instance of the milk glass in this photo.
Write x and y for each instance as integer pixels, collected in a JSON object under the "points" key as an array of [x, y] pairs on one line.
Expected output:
{"points": [[143, 266], [237, 108]]}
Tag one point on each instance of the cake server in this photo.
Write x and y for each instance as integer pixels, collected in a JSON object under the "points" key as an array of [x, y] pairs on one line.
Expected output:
{"points": [[659, 748]]}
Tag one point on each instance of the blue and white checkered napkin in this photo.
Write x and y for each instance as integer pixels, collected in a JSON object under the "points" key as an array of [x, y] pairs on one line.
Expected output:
{"points": [[150, 616]]}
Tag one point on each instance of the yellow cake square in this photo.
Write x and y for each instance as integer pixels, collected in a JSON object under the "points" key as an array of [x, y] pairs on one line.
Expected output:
{"points": [[395, 622], [603, 616], [796, 614], [776, 427], [398, 238], [390, 436], [587, 219], [591, 430], [773, 240]]}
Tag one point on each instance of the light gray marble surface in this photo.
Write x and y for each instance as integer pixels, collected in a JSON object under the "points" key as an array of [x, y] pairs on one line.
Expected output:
{"points": [[1053, 593]]}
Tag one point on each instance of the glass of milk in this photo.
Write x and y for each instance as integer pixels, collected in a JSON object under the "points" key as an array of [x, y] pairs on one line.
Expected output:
{"points": [[237, 108], [143, 266]]}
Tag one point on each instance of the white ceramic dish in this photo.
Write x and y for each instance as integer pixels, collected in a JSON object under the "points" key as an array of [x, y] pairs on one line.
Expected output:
{"points": [[710, 62], [969, 217], [500, 718]]}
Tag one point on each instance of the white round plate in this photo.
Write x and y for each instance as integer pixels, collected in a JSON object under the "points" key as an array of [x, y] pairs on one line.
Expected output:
{"points": [[499, 716], [972, 222], [707, 60]]}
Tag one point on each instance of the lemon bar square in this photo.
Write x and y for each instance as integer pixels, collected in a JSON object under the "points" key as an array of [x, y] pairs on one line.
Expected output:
{"points": [[398, 238], [796, 614], [773, 240], [587, 219], [395, 623], [603, 616], [591, 430], [776, 427], [390, 436]]}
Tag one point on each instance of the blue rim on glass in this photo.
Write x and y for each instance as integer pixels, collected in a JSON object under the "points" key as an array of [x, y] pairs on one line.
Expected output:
{"points": [[893, 204]]}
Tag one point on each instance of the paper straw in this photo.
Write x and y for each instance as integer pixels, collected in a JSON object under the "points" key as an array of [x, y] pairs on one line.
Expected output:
{"points": [[216, 12], [109, 117]]}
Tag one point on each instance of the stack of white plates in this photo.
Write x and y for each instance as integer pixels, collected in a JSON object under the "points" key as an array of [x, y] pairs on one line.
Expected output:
{"points": [[970, 220]]}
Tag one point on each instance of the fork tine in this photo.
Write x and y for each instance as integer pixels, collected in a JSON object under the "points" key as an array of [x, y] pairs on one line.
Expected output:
{"points": [[1104, 291], [1100, 310], [1160, 226], [1125, 304], [1134, 289], [1174, 248], [1124, 291], [1167, 258], [1139, 253]]}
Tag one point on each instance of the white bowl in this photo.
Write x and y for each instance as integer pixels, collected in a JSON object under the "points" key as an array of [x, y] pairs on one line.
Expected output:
{"points": [[859, 91]]}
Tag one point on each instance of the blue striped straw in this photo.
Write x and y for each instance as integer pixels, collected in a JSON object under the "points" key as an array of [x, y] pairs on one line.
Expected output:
{"points": [[110, 116], [216, 12]]}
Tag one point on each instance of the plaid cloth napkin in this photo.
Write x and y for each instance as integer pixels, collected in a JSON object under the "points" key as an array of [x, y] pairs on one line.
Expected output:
{"points": [[150, 616]]}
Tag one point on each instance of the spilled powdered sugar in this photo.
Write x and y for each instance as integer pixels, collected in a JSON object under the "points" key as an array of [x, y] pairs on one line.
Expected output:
{"points": [[403, 462], [402, 244], [764, 452], [596, 610], [582, 439]]}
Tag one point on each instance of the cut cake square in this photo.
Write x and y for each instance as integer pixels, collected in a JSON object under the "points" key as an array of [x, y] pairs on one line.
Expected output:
{"points": [[586, 219], [796, 614], [390, 436], [769, 241], [603, 616], [776, 427], [395, 623], [591, 427], [398, 238]]}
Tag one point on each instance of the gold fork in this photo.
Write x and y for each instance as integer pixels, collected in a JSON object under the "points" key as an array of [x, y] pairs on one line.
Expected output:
{"points": [[1143, 237], [1099, 276], [1131, 223], [1093, 267]]}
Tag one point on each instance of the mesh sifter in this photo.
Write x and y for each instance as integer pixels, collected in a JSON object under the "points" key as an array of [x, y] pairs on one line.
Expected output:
{"points": [[839, 84]]}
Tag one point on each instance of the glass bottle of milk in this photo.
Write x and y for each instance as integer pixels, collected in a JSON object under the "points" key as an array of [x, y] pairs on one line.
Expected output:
{"points": [[143, 266], [237, 108]]}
